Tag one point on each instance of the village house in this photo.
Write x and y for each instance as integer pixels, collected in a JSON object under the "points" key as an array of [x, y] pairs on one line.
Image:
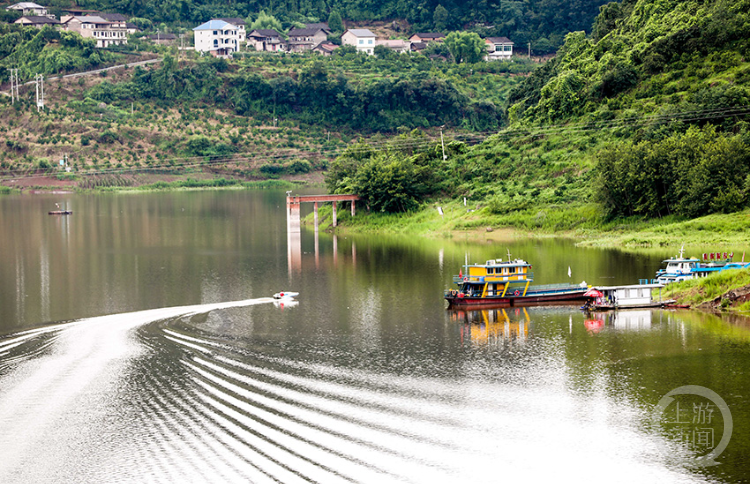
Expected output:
{"points": [[326, 48], [29, 9], [240, 24], [267, 40], [498, 48], [399, 46], [362, 39], [218, 37], [78, 12], [301, 40], [37, 21], [105, 32], [427, 37]]}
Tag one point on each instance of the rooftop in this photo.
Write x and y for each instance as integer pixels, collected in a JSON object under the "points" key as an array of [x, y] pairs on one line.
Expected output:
{"points": [[264, 33], [36, 19], [361, 32], [214, 25], [23, 5], [234, 21], [499, 40], [429, 35], [304, 32]]}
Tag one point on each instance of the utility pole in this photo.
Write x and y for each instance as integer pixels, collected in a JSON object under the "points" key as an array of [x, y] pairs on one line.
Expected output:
{"points": [[529, 50], [442, 142], [14, 95], [39, 79]]}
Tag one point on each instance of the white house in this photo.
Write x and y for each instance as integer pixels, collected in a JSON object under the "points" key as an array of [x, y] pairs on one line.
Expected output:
{"points": [[29, 9], [105, 32], [362, 39], [240, 24], [498, 48], [218, 37]]}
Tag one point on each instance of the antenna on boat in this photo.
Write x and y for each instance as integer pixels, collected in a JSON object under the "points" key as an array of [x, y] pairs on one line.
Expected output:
{"points": [[508, 255], [682, 251]]}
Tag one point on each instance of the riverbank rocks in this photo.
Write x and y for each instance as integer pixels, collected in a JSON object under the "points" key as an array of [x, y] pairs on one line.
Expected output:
{"points": [[733, 297]]}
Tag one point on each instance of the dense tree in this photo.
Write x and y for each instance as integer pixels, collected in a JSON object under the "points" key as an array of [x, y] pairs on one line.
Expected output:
{"points": [[334, 22], [690, 174], [465, 46], [266, 21], [394, 179], [440, 18]]}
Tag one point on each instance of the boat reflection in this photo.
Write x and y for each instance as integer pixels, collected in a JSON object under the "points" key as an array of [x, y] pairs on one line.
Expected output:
{"points": [[485, 326], [623, 320]]}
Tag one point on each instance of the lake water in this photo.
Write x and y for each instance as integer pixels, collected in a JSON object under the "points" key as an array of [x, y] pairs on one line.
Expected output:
{"points": [[138, 343]]}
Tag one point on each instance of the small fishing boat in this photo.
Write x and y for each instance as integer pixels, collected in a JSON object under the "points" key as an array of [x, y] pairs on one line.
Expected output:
{"points": [[604, 298], [285, 295], [60, 212], [508, 283]]}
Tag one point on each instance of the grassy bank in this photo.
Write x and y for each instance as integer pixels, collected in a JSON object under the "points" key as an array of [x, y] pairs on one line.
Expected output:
{"points": [[582, 222], [726, 290]]}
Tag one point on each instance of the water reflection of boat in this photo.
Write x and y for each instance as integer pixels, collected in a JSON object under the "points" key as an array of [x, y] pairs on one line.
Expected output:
{"points": [[503, 284], [487, 325], [626, 320]]}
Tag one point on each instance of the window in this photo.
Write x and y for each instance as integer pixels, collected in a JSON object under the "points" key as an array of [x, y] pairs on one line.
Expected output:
{"points": [[369, 41], [512, 270], [361, 41], [508, 48], [490, 270]]}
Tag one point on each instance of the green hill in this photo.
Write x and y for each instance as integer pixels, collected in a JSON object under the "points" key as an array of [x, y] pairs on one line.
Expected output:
{"points": [[646, 119]]}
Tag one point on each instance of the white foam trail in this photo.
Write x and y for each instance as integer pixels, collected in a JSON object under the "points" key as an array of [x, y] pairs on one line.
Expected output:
{"points": [[56, 399]]}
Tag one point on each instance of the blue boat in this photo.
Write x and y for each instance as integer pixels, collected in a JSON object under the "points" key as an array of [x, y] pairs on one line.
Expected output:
{"points": [[683, 268]]}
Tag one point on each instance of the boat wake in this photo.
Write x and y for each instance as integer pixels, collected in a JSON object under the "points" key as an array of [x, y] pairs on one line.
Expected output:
{"points": [[150, 396]]}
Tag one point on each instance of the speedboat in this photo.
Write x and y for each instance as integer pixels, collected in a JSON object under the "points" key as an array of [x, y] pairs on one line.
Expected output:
{"points": [[285, 295]]}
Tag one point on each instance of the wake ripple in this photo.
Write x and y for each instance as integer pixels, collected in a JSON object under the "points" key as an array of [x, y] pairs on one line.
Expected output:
{"points": [[128, 398]]}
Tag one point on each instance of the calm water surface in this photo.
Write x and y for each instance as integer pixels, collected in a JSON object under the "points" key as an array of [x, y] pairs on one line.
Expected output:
{"points": [[138, 344]]}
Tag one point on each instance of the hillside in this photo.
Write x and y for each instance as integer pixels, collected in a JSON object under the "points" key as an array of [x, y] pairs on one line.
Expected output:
{"points": [[256, 117], [644, 120]]}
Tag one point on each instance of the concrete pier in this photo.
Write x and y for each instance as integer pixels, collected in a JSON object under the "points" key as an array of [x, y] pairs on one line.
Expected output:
{"points": [[293, 203]]}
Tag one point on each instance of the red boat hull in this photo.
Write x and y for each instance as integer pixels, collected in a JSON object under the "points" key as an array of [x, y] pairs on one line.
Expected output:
{"points": [[508, 301]]}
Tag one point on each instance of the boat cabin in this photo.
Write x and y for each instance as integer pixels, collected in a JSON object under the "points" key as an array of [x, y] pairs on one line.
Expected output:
{"points": [[643, 295], [494, 277]]}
